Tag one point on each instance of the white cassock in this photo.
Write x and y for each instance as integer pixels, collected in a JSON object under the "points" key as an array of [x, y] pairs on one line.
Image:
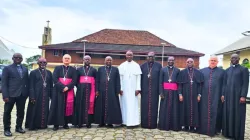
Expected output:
{"points": [[130, 75]]}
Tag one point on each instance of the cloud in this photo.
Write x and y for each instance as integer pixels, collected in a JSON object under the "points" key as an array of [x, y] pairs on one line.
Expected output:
{"points": [[24, 24], [204, 26]]}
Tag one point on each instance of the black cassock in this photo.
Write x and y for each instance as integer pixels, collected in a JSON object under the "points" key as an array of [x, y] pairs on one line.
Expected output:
{"points": [[57, 114], [234, 112], [37, 113], [82, 104], [107, 107], [150, 94], [169, 116], [190, 87], [210, 106]]}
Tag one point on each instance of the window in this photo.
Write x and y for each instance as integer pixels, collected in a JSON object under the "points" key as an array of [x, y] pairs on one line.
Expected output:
{"points": [[98, 56], [56, 52], [122, 57], [65, 52], [160, 59], [81, 55]]}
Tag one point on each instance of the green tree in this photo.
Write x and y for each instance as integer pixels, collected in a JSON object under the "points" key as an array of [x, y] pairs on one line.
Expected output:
{"points": [[31, 60], [5, 61], [245, 63]]}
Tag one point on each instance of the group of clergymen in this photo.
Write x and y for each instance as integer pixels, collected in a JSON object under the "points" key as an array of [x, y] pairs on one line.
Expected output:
{"points": [[205, 101]]}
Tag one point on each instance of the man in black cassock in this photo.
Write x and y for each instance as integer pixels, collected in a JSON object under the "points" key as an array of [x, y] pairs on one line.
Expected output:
{"points": [[234, 100], [62, 102], [107, 107], [85, 95], [210, 106], [169, 116], [150, 92], [15, 89], [190, 89], [41, 86]]}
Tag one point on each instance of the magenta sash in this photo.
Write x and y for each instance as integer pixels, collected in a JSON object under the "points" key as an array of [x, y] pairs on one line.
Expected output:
{"points": [[70, 97], [91, 80], [170, 86]]}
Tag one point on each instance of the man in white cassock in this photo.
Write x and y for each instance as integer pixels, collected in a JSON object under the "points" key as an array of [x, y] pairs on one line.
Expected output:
{"points": [[130, 77]]}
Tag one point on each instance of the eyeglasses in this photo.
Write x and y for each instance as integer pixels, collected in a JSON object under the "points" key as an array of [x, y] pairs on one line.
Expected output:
{"points": [[17, 57], [42, 62]]}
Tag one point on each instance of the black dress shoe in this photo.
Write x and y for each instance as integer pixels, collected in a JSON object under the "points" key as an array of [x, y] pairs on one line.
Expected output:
{"points": [[7, 133], [101, 125], [110, 126], [20, 130], [78, 126], [122, 125], [88, 125], [66, 126], [56, 128]]}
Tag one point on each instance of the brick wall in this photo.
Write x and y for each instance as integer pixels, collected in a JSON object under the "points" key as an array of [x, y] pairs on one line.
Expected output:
{"points": [[180, 61]]}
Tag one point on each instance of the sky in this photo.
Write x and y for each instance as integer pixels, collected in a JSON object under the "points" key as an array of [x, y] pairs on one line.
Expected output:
{"points": [[203, 26]]}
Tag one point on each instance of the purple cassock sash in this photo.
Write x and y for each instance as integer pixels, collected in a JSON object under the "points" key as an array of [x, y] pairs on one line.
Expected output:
{"points": [[91, 80], [170, 86], [70, 97]]}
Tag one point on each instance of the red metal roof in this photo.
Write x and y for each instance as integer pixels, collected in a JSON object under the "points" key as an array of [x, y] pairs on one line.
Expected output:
{"points": [[125, 37]]}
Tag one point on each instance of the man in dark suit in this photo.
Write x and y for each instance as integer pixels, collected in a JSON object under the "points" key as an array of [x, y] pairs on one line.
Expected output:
{"points": [[14, 90]]}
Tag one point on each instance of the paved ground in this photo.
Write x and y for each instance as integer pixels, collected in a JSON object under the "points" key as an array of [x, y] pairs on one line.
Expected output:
{"points": [[104, 133]]}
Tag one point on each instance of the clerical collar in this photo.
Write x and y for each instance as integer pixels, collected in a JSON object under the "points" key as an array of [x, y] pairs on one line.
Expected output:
{"points": [[152, 62], [170, 67], [17, 64], [213, 68], [108, 66], [191, 68], [87, 66], [42, 69], [235, 65]]}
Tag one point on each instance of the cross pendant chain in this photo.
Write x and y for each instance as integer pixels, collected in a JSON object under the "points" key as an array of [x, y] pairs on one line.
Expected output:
{"points": [[149, 70], [191, 76], [86, 74], [43, 78], [44, 84], [170, 75], [108, 72]]}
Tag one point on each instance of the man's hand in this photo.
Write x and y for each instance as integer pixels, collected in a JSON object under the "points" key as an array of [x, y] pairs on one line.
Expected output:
{"points": [[180, 98], [32, 101], [161, 95], [121, 92], [6, 100], [242, 100], [198, 98], [137, 92], [97, 93], [222, 99], [65, 89]]}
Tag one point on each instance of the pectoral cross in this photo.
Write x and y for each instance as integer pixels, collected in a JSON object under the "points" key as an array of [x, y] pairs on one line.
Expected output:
{"points": [[44, 84], [191, 82], [108, 78], [169, 80], [148, 75]]}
